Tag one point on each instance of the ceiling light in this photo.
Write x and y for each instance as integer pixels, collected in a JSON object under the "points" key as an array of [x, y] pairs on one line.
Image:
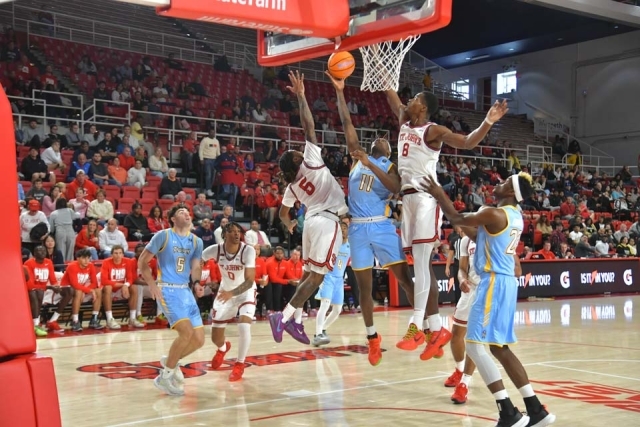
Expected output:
{"points": [[560, 39], [615, 26], [468, 59], [511, 49], [475, 58]]}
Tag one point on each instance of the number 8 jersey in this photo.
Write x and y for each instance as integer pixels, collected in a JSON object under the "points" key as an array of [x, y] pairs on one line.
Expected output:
{"points": [[416, 159], [314, 186]]}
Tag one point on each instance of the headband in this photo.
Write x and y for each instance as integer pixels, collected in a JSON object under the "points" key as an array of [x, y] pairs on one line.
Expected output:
{"points": [[516, 187]]}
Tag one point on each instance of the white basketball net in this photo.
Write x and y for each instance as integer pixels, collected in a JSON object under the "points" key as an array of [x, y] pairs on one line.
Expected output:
{"points": [[383, 63]]}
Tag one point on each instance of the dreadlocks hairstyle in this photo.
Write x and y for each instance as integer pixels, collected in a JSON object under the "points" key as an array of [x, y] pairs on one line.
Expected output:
{"points": [[288, 168], [229, 227], [526, 185], [431, 102]]}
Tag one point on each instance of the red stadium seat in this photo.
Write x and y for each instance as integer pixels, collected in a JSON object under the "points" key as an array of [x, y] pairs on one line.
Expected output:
{"points": [[124, 230], [150, 193], [147, 205], [131, 192], [124, 205], [191, 192], [113, 191], [165, 204]]}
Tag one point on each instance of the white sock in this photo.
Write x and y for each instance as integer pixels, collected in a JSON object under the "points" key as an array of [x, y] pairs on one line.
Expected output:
{"points": [[322, 315], [132, 314], [371, 330], [109, 315], [244, 340], [74, 317], [54, 317], [421, 255], [333, 316], [297, 316], [501, 395], [435, 322], [95, 313], [466, 380], [526, 391], [460, 366], [425, 325], [223, 348], [36, 321], [288, 313], [140, 299]]}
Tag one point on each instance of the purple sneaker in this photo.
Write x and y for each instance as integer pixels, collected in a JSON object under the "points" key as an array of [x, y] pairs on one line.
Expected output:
{"points": [[277, 326], [296, 330]]}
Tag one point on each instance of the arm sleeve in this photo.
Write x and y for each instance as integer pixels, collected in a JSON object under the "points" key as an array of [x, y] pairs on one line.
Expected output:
{"points": [[464, 246], [249, 257], [289, 199]]}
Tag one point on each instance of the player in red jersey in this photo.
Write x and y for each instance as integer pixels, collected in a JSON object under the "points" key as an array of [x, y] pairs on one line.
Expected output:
{"points": [[81, 276]]}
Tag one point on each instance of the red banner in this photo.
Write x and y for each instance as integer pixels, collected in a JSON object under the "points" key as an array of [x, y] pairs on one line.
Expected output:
{"points": [[311, 18]]}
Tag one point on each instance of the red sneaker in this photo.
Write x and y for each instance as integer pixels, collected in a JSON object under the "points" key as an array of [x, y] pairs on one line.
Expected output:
{"points": [[236, 373], [434, 346], [412, 339], [54, 327], [454, 379], [218, 358], [375, 353], [459, 395], [161, 320]]}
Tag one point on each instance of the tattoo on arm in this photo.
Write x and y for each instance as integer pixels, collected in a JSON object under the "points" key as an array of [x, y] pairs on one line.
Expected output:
{"points": [[306, 119], [244, 287]]}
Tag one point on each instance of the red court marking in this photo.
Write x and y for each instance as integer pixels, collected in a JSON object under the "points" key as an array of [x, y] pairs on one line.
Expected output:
{"points": [[432, 411]]}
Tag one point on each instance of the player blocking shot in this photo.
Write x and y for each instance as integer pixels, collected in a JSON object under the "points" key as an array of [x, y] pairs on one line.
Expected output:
{"points": [[419, 145], [331, 292], [309, 181], [491, 318], [236, 295], [178, 254]]}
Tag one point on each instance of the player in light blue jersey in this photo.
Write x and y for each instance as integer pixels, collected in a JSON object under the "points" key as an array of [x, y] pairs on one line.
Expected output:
{"points": [[492, 313], [331, 291], [178, 252], [372, 181]]}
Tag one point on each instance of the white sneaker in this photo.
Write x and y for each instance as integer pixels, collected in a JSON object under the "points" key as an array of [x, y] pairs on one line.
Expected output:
{"points": [[168, 385], [320, 339], [113, 324], [135, 323], [179, 376], [210, 193]]}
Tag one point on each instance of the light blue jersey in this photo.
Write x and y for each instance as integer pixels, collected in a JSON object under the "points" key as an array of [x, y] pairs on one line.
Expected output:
{"points": [[368, 197], [175, 254], [341, 261], [494, 252], [332, 287]]}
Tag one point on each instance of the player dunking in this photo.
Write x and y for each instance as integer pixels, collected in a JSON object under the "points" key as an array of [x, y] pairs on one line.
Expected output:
{"points": [[178, 253], [372, 180], [237, 293], [310, 182], [419, 145], [492, 313]]}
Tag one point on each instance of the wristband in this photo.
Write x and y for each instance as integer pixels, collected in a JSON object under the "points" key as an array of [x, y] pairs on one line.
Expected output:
{"points": [[489, 122], [127, 284]]}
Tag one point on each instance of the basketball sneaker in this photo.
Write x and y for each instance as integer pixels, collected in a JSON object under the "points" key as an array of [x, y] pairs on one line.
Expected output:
{"points": [[296, 330], [375, 352], [179, 376], [168, 385], [112, 324], [236, 373], [459, 395], [161, 320], [140, 318], [542, 418], [277, 326], [454, 379], [76, 326], [412, 339], [218, 358], [517, 419], [434, 346], [94, 323], [135, 323], [320, 339], [54, 327], [40, 331]]}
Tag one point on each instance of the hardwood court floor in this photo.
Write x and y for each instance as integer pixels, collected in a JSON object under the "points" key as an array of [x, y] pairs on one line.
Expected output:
{"points": [[583, 357]]}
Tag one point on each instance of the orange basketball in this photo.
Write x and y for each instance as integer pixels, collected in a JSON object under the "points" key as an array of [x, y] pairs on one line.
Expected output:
{"points": [[341, 65]]}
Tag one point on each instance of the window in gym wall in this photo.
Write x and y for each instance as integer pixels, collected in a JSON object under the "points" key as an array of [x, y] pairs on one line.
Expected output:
{"points": [[462, 88], [507, 82]]}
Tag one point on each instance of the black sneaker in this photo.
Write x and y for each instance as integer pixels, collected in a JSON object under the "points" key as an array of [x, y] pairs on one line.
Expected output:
{"points": [[95, 324], [515, 420], [542, 418], [76, 326]]}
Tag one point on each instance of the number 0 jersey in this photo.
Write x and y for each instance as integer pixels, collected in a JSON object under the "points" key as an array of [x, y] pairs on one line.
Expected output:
{"points": [[232, 266], [368, 197], [314, 186], [494, 252], [341, 261], [415, 158]]}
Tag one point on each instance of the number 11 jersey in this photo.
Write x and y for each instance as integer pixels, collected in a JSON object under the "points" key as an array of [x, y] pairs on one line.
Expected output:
{"points": [[368, 197], [416, 159], [314, 186]]}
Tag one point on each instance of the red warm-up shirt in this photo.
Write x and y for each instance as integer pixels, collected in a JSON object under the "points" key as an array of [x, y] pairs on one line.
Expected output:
{"points": [[82, 279], [276, 271], [211, 272], [116, 275], [294, 270], [40, 274]]}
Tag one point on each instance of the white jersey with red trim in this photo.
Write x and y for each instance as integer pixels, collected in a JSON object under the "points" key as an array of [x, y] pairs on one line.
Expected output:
{"points": [[314, 186], [415, 158], [232, 266], [468, 249]]}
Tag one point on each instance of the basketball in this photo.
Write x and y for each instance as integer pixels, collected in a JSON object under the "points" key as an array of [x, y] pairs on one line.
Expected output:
{"points": [[341, 65]]}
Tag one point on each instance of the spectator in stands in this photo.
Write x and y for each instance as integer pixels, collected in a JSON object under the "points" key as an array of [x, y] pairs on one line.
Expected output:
{"points": [[32, 134], [255, 236], [294, 118], [227, 212], [49, 201], [568, 208], [217, 233], [273, 200], [80, 204], [622, 248], [201, 209], [320, 104], [276, 268], [205, 232], [93, 137], [156, 222], [170, 185], [459, 203], [293, 275], [80, 165], [87, 66], [160, 92], [28, 220], [545, 252], [37, 191], [125, 71], [564, 252], [584, 250], [621, 233], [87, 239], [81, 181], [52, 157], [158, 164], [111, 236], [137, 175], [99, 171], [544, 227], [197, 87], [61, 226], [208, 152], [137, 224], [84, 149], [189, 148], [10, 53], [117, 174], [127, 161], [227, 165], [53, 253], [575, 235], [33, 167], [477, 198]]}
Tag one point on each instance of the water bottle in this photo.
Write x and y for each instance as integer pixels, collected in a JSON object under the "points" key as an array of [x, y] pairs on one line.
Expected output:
{"points": [[386, 302]]}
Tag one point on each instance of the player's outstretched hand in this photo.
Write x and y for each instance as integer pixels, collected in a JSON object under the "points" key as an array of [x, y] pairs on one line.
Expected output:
{"points": [[362, 157], [297, 83], [224, 296], [292, 226], [498, 110], [338, 84], [432, 187]]}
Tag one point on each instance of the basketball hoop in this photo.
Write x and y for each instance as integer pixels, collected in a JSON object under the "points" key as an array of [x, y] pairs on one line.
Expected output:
{"points": [[383, 62]]}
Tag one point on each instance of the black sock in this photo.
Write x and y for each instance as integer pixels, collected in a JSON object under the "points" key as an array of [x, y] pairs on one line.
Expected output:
{"points": [[369, 337], [533, 404], [94, 317], [505, 407]]}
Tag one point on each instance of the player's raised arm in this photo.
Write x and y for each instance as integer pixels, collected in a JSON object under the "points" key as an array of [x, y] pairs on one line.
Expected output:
{"points": [[350, 134], [390, 179], [471, 140], [306, 118], [396, 104]]}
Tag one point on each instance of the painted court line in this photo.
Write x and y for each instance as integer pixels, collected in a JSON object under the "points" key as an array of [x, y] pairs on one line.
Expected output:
{"points": [[588, 372]]}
